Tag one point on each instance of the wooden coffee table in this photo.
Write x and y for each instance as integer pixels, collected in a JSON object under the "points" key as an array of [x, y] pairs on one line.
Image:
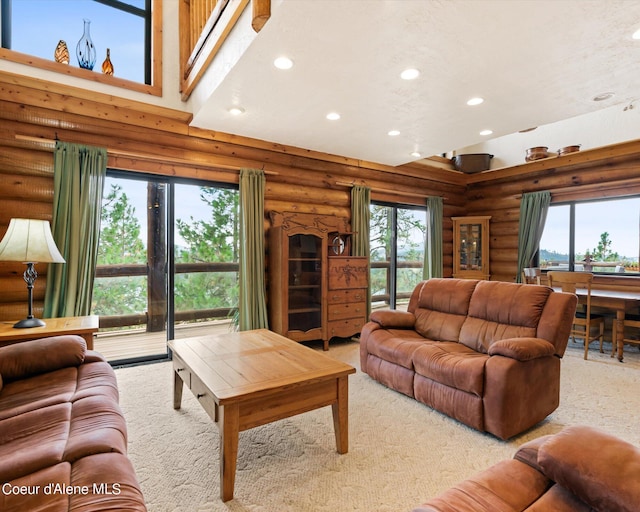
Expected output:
{"points": [[250, 378]]}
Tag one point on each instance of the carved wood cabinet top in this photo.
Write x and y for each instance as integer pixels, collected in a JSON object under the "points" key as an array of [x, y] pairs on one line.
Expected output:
{"points": [[314, 221]]}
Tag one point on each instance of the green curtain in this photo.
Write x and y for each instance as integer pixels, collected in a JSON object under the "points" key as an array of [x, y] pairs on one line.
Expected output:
{"points": [[78, 181], [433, 266], [533, 214], [252, 308], [360, 217]]}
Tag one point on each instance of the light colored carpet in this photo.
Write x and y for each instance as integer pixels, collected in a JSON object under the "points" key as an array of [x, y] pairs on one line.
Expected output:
{"points": [[400, 452]]}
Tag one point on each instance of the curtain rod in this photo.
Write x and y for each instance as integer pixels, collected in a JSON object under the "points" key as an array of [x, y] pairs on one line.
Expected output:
{"points": [[385, 190], [130, 154]]}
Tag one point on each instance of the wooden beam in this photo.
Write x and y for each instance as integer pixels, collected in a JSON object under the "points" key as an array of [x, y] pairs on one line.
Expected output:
{"points": [[261, 14]]}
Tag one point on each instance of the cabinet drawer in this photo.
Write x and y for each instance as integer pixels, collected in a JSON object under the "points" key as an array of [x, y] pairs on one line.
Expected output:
{"points": [[348, 273], [342, 296], [204, 396], [345, 328], [181, 369], [342, 311]]}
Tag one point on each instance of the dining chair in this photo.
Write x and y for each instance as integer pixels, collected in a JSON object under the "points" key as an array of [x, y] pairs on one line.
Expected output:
{"points": [[629, 321], [531, 275], [569, 282]]}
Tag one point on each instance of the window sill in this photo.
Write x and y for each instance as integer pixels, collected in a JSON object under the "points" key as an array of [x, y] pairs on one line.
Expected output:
{"points": [[68, 70]]}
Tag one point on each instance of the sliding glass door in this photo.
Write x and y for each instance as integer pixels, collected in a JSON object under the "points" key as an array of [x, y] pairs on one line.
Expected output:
{"points": [[206, 245], [397, 236], [167, 266]]}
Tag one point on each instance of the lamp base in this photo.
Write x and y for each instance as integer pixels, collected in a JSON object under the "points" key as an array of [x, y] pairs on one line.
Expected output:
{"points": [[28, 323]]}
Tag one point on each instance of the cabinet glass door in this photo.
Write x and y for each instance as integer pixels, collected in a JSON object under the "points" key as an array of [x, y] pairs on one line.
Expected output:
{"points": [[305, 282], [470, 246]]}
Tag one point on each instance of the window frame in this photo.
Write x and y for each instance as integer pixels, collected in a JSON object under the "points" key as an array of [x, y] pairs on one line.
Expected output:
{"points": [[572, 235], [153, 36]]}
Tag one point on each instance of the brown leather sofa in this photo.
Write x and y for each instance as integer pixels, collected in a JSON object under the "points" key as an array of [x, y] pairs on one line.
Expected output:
{"points": [[580, 469], [486, 353], [63, 438]]}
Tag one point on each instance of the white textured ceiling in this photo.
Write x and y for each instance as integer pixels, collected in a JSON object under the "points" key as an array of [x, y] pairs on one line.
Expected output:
{"points": [[533, 61]]}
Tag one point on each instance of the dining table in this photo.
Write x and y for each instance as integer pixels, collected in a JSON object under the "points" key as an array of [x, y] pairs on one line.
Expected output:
{"points": [[615, 300]]}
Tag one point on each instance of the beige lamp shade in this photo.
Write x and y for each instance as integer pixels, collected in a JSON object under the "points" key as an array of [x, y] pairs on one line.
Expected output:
{"points": [[29, 241]]}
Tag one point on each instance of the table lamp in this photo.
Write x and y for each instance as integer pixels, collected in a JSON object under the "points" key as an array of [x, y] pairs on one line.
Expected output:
{"points": [[29, 241]]}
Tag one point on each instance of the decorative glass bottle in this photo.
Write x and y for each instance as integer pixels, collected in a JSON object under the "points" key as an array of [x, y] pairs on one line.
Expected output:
{"points": [[62, 53], [107, 66], [85, 51]]}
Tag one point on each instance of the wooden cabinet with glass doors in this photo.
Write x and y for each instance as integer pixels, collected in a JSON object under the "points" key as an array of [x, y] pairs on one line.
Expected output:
{"points": [[297, 259], [471, 247], [317, 290]]}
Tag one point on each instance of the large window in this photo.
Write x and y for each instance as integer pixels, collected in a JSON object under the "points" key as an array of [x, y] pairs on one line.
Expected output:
{"points": [[597, 236], [397, 236], [124, 27]]}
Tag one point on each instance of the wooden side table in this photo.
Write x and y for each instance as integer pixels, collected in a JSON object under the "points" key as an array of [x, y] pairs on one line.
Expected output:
{"points": [[84, 326]]}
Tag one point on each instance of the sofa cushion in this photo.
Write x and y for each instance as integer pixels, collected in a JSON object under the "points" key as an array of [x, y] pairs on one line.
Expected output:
{"points": [[502, 310], [43, 355], [600, 469], [507, 486], [36, 392], [396, 346], [96, 426], [442, 308], [96, 379], [112, 481], [33, 440], [50, 479], [451, 364]]}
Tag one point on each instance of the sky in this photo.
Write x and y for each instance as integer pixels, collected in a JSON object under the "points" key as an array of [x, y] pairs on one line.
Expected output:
{"points": [[38, 25]]}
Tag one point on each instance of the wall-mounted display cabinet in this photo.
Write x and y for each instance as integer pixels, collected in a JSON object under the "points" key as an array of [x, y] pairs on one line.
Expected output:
{"points": [[471, 247]]}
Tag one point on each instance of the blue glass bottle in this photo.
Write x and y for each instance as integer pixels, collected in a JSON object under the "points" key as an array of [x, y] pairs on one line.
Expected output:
{"points": [[85, 51]]}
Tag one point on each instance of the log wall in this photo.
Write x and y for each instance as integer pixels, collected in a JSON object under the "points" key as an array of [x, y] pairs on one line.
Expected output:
{"points": [[611, 171], [148, 139]]}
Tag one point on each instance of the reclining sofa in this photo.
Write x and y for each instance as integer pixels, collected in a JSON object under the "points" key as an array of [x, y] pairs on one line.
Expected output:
{"points": [[580, 469], [63, 438], [486, 353]]}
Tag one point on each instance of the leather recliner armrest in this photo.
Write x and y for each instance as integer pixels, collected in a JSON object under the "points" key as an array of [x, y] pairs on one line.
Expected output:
{"points": [[600, 469], [27, 358], [394, 319], [522, 349]]}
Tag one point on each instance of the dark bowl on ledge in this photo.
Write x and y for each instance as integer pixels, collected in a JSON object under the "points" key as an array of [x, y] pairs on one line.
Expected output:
{"points": [[473, 162]]}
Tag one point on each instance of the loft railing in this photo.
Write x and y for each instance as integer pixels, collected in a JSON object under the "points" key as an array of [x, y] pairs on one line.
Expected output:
{"points": [[155, 316], [204, 27], [400, 295]]}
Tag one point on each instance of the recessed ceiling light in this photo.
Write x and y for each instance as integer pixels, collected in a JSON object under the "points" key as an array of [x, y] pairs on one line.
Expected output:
{"points": [[486, 132], [333, 116], [416, 154], [283, 63], [475, 101], [603, 96], [393, 133], [236, 111], [636, 34], [410, 74]]}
